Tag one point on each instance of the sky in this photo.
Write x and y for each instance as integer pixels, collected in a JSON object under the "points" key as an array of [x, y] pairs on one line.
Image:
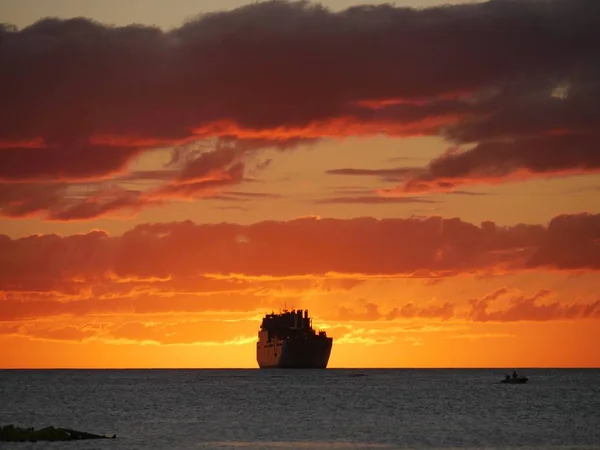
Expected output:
{"points": [[422, 176]]}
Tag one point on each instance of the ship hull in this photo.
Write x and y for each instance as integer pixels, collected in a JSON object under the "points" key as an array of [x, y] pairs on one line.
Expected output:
{"points": [[302, 353]]}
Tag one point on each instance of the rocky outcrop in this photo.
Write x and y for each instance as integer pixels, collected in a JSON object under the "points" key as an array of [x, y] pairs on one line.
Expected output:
{"points": [[10, 433]]}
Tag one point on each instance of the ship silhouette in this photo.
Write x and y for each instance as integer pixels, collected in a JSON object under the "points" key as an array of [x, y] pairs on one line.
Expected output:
{"points": [[288, 341]]}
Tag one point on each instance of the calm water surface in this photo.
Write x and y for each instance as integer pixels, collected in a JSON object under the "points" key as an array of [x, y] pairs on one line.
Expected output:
{"points": [[331, 409]]}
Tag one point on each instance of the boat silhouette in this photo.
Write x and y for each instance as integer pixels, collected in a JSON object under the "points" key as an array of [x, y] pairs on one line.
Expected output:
{"points": [[515, 379], [518, 380], [288, 340]]}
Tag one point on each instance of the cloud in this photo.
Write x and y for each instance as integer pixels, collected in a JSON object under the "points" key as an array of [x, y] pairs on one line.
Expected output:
{"points": [[522, 308], [406, 311], [477, 336], [81, 99], [358, 338], [187, 332], [347, 334], [444, 311], [192, 173], [99, 294], [183, 269], [181, 255], [70, 202], [49, 332], [139, 301], [507, 305], [382, 334], [521, 110], [199, 332], [571, 242], [495, 162], [64, 162]]}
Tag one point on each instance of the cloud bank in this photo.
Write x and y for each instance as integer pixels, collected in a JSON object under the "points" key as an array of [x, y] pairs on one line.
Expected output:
{"points": [[81, 99], [190, 259]]}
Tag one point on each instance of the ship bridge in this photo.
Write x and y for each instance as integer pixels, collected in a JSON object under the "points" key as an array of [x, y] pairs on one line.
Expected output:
{"points": [[287, 323]]}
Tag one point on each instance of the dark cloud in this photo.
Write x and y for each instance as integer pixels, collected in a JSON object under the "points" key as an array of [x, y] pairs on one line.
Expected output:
{"points": [[69, 202], [571, 242], [190, 174], [76, 91], [493, 161], [522, 110], [27, 199], [64, 163], [100, 203]]}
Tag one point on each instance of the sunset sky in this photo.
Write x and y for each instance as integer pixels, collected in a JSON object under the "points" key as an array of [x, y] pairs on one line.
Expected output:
{"points": [[424, 179]]}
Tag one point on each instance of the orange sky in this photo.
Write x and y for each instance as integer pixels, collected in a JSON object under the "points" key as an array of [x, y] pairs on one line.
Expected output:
{"points": [[160, 191]]}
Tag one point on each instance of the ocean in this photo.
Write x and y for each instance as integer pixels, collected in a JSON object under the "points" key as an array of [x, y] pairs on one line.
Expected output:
{"points": [[307, 409]]}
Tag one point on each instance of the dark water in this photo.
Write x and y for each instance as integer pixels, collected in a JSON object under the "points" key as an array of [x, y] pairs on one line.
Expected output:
{"points": [[331, 409]]}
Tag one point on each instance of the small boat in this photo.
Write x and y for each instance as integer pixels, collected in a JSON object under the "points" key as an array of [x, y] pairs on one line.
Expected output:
{"points": [[517, 380]]}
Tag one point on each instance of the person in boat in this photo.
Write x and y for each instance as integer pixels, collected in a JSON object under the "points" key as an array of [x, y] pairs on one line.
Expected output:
{"points": [[514, 374], [507, 377]]}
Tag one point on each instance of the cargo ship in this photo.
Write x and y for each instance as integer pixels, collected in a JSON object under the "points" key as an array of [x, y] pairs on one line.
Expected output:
{"points": [[288, 341]]}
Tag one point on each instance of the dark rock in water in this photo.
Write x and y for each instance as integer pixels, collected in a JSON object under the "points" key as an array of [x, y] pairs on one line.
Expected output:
{"points": [[10, 433]]}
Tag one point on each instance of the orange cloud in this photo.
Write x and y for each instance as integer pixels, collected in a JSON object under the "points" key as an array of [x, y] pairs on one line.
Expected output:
{"points": [[187, 331], [523, 308], [306, 246], [176, 268], [406, 311]]}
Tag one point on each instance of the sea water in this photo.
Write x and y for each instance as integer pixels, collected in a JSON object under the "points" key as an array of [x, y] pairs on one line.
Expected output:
{"points": [[306, 409]]}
